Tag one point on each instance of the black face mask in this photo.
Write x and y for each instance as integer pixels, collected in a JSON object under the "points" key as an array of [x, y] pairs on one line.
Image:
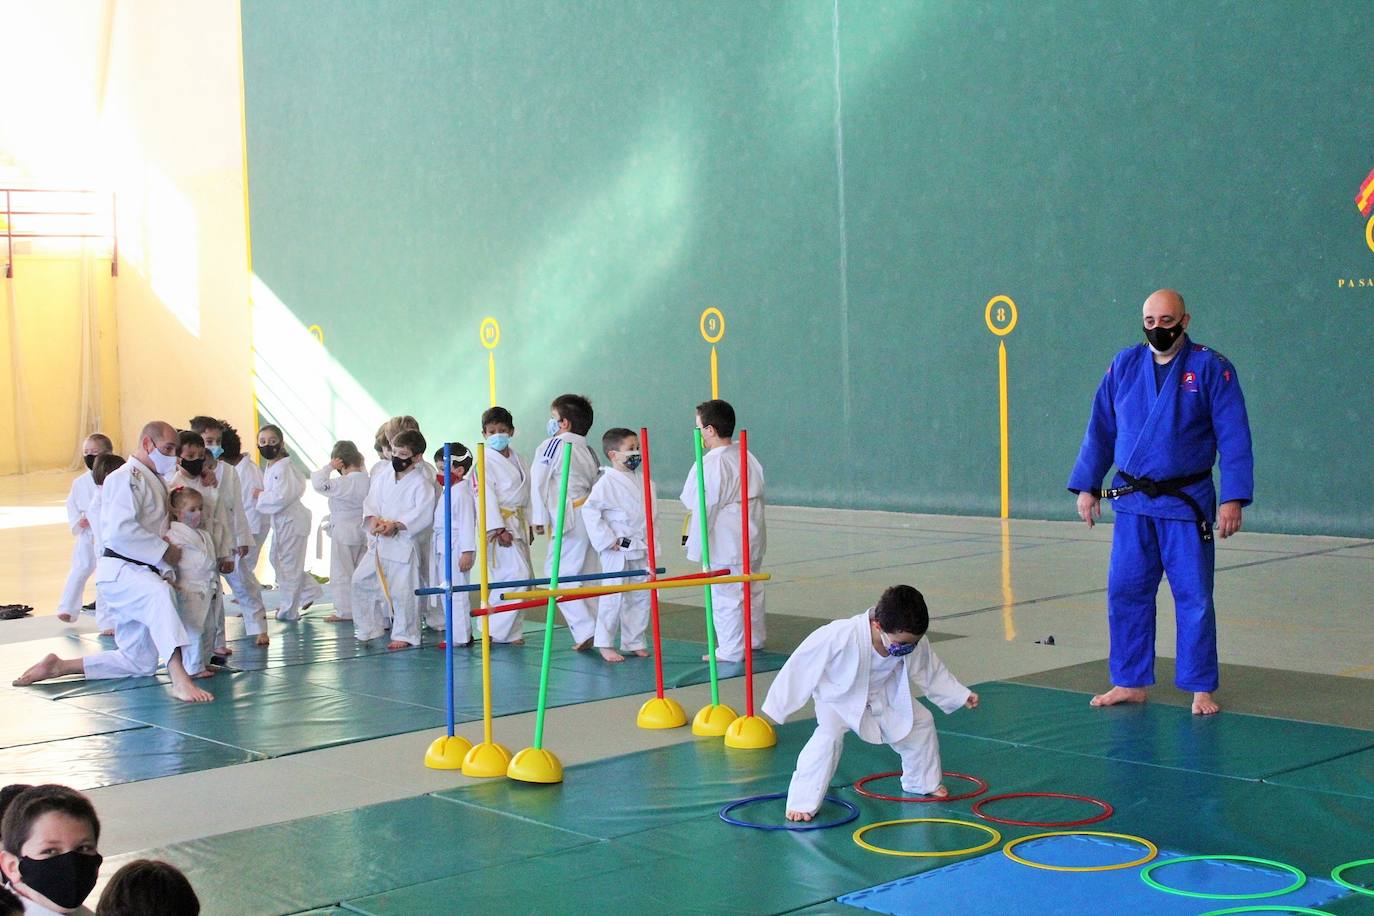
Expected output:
{"points": [[67, 880], [1163, 338], [400, 464], [269, 451], [193, 466], [90, 461]]}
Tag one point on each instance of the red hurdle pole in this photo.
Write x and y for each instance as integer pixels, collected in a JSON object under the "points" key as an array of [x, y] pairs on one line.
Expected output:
{"points": [[651, 565], [748, 586]]}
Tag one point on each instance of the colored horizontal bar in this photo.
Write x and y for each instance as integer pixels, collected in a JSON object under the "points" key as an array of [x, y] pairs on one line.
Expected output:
{"points": [[526, 583], [634, 587], [595, 593]]}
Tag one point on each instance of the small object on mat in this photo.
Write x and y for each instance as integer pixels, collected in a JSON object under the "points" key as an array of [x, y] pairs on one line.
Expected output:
{"points": [[1047, 641], [14, 611]]}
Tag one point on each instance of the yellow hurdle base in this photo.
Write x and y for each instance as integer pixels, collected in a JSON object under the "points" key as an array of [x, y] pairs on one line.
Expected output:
{"points": [[486, 760], [712, 721], [447, 753], [534, 764], [750, 732], [661, 712]]}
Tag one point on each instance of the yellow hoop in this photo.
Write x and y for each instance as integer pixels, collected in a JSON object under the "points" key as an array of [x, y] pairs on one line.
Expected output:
{"points": [[859, 837], [1153, 850]]}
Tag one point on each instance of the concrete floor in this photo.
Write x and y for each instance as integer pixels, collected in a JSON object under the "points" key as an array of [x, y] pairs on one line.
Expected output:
{"points": [[1300, 605]]}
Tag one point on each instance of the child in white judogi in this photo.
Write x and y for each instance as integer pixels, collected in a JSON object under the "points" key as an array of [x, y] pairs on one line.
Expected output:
{"points": [[229, 494], [861, 671], [280, 499], [196, 572], [243, 581], [570, 419], [347, 538], [617, 529], [464, 521], [79, 500], [103, 466], [399, 509], [507, 522], [720, 467]]}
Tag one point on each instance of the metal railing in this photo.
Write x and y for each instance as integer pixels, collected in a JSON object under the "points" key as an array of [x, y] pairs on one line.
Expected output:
{"points": [[86, 209]]}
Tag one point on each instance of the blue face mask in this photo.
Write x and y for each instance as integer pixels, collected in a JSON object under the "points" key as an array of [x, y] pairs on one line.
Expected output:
{"points": [[216, 450], [498, 442], [898, 649], [553, 427]]}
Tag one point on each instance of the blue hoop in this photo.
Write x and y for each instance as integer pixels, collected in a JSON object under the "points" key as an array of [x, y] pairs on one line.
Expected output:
{"points": [[803, 825]]}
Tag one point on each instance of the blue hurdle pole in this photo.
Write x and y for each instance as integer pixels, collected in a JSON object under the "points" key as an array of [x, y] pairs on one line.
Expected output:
{"points": [[448, 581], [522, 583]]}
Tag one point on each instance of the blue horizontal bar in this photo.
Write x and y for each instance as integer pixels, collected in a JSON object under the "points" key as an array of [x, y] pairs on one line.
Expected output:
{"points": [[522, 583]]}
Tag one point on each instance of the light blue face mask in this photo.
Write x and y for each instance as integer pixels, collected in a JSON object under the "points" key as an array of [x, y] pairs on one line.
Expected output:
{"points": [[553, 427], [498, 442], [216, 450]]}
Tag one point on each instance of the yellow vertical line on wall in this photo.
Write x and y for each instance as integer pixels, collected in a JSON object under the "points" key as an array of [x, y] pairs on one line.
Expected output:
{"points": [[1002, 399], [715, 379], [491, 375], [1008, 596], [247, 236]]}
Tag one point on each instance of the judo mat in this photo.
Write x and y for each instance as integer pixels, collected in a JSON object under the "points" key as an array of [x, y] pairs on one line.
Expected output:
{"points": [[312, 688], [641, 831], [993, 883], [1350, 775]]}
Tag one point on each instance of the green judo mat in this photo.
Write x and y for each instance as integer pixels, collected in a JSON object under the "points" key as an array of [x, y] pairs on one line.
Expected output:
{"points": [[1350, 775], [1230, 744], [135, 754]]}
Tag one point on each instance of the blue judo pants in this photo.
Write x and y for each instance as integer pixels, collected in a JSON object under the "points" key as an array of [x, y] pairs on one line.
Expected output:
{"points": [[1143, 549]]}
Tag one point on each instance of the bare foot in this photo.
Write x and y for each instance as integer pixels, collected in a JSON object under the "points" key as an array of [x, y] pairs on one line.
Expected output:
{"points": [[202, 675], [335, 618], [1119, 695], [49, 667], [940, 792], [66, 617], [107, 632], [262, 640], [188, 692], [225, 651], [1204, 705], [642, 653], [398, 644], [516, 642], [611, 655], [583, 646], [800, 815]]}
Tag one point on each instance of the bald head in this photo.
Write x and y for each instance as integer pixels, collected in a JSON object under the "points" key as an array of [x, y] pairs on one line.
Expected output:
{"points": [[158, 431], [1163, 302]]}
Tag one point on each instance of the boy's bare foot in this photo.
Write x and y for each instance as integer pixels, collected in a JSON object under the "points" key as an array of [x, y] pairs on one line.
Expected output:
{"points": [[50, 667], [611, 655], [1119, 695], [262, 640], [202, 675], [335, 618], [398, 644], [642, 653], [800, 815], [107, 632], [225, 651], [188, 692], [583, 646], [66, 617], [940, 792], [516, 642], [1204, 705]]}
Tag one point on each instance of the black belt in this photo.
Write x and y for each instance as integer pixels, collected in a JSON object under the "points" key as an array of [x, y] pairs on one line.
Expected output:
{"points": [[1171, 487], [120, 556]]}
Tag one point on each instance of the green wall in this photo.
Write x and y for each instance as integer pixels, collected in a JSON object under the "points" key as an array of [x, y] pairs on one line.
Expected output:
{"points": [[594, 174]]}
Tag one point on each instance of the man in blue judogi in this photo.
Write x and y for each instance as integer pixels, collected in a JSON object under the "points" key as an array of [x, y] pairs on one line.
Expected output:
{"points": [[1162, 414]]}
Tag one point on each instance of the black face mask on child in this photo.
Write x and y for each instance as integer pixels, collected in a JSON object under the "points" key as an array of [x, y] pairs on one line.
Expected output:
{"points": [[67, 880], [269, 451], [193, 466], [400, 464], [90, 461]]}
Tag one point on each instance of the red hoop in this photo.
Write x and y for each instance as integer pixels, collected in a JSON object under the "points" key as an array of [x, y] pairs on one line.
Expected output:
{"points": [[980, 788], [1107, 810]]}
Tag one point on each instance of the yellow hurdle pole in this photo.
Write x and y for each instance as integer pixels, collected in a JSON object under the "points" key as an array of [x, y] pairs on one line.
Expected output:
{"points": [[541, 594], [485, 591]]}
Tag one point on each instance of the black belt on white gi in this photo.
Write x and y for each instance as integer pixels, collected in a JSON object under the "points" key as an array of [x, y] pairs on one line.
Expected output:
{"points": [[1171, 487], [120, 556]]}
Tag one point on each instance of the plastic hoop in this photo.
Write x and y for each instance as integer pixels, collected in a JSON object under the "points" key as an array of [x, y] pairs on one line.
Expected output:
{"points": [[1269, 908], [1339, 870], [1107, 810], [1153, 851], [859, 837], [1145, 876], [805, 825], [980, 786]]}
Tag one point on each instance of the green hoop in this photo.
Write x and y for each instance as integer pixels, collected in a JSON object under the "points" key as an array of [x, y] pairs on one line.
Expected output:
{"points": [[1145, 876], [1339, 870], [1262, 908]]}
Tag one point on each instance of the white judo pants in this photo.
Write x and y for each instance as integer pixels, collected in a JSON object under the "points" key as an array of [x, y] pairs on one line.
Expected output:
{"points": [[623, 614], [577, 558], [243, 581], [371, 612], [343, 560], [727, 606], [462, 601], [83, 564], [816, 764], [507, 564], [194, 610], [147, 627], [295, 587]]}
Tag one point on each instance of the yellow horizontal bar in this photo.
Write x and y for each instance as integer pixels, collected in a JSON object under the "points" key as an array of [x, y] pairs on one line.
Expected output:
{"points": [[540, 594]]}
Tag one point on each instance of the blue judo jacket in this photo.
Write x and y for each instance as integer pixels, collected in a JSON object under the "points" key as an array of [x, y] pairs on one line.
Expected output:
{"points": [[1197, 413]]}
